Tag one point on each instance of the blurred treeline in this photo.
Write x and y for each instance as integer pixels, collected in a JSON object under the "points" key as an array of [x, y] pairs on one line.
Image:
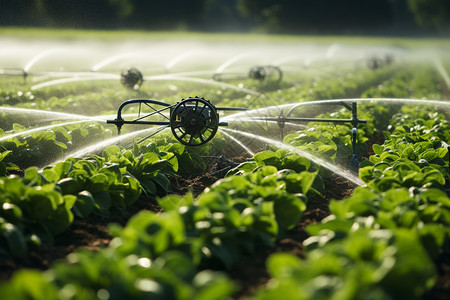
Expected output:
{"points": [[277, 16]]}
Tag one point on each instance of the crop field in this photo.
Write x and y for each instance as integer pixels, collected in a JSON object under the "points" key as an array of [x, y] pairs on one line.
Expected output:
{"points": [[141, 165]]}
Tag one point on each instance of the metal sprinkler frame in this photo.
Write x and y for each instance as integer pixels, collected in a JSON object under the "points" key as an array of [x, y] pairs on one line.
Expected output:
{"points": [[282, 119], [194, 121]]}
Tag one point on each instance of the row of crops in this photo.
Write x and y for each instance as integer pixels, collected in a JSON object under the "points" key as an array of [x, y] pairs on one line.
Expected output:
{"points": [[380, 243]]}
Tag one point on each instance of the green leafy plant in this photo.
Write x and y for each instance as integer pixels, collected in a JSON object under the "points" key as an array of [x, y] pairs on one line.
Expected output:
{"points": [[31, 214], [104, 274], [366, 264], [6, 167]]}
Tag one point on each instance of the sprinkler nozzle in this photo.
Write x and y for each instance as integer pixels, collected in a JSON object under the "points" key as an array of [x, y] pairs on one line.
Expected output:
{"points": [[118, 122]]}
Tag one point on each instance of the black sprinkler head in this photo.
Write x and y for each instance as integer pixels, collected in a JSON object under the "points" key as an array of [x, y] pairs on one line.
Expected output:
{"points": [[257, 72], [131, 78]]}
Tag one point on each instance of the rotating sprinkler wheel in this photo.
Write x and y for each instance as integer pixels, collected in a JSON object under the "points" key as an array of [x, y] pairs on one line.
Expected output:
{"points": [[131, 78], [194, 121]]}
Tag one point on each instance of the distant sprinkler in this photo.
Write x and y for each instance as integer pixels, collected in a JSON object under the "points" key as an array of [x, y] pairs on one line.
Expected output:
{"points": [[15, 72], [261, 73], [389, 59], [131, 78], [257, 72], [265, 72], [378, 62], [374, 63]]}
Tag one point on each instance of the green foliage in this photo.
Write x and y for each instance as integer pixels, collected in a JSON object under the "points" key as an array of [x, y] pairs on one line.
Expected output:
{"points": [[281, 159], [431, 14], [426, 211], [40, 205], [104, 274], [333, 141], [380, 242], [415, 153], [97, 183], [31, 214], [148, 168], [159, 255], [253, 209], [46, 146], [29, 284], [284, 161], [6, 166], [414, 82], [367, 264]]}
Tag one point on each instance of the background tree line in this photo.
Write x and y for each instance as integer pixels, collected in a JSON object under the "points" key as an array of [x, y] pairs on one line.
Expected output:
{"points": [[278, 16]]}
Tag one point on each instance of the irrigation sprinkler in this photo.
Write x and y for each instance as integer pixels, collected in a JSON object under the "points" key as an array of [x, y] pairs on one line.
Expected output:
{"points": [[15, 72], [24, 73], [263, 72], [26, 70], [131, 78], [282, 119], [193, 121], [376, 62], [260, 73]]}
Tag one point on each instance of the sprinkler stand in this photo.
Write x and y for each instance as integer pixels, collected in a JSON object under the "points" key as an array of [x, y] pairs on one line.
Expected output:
{"points": [[281, 121]]}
